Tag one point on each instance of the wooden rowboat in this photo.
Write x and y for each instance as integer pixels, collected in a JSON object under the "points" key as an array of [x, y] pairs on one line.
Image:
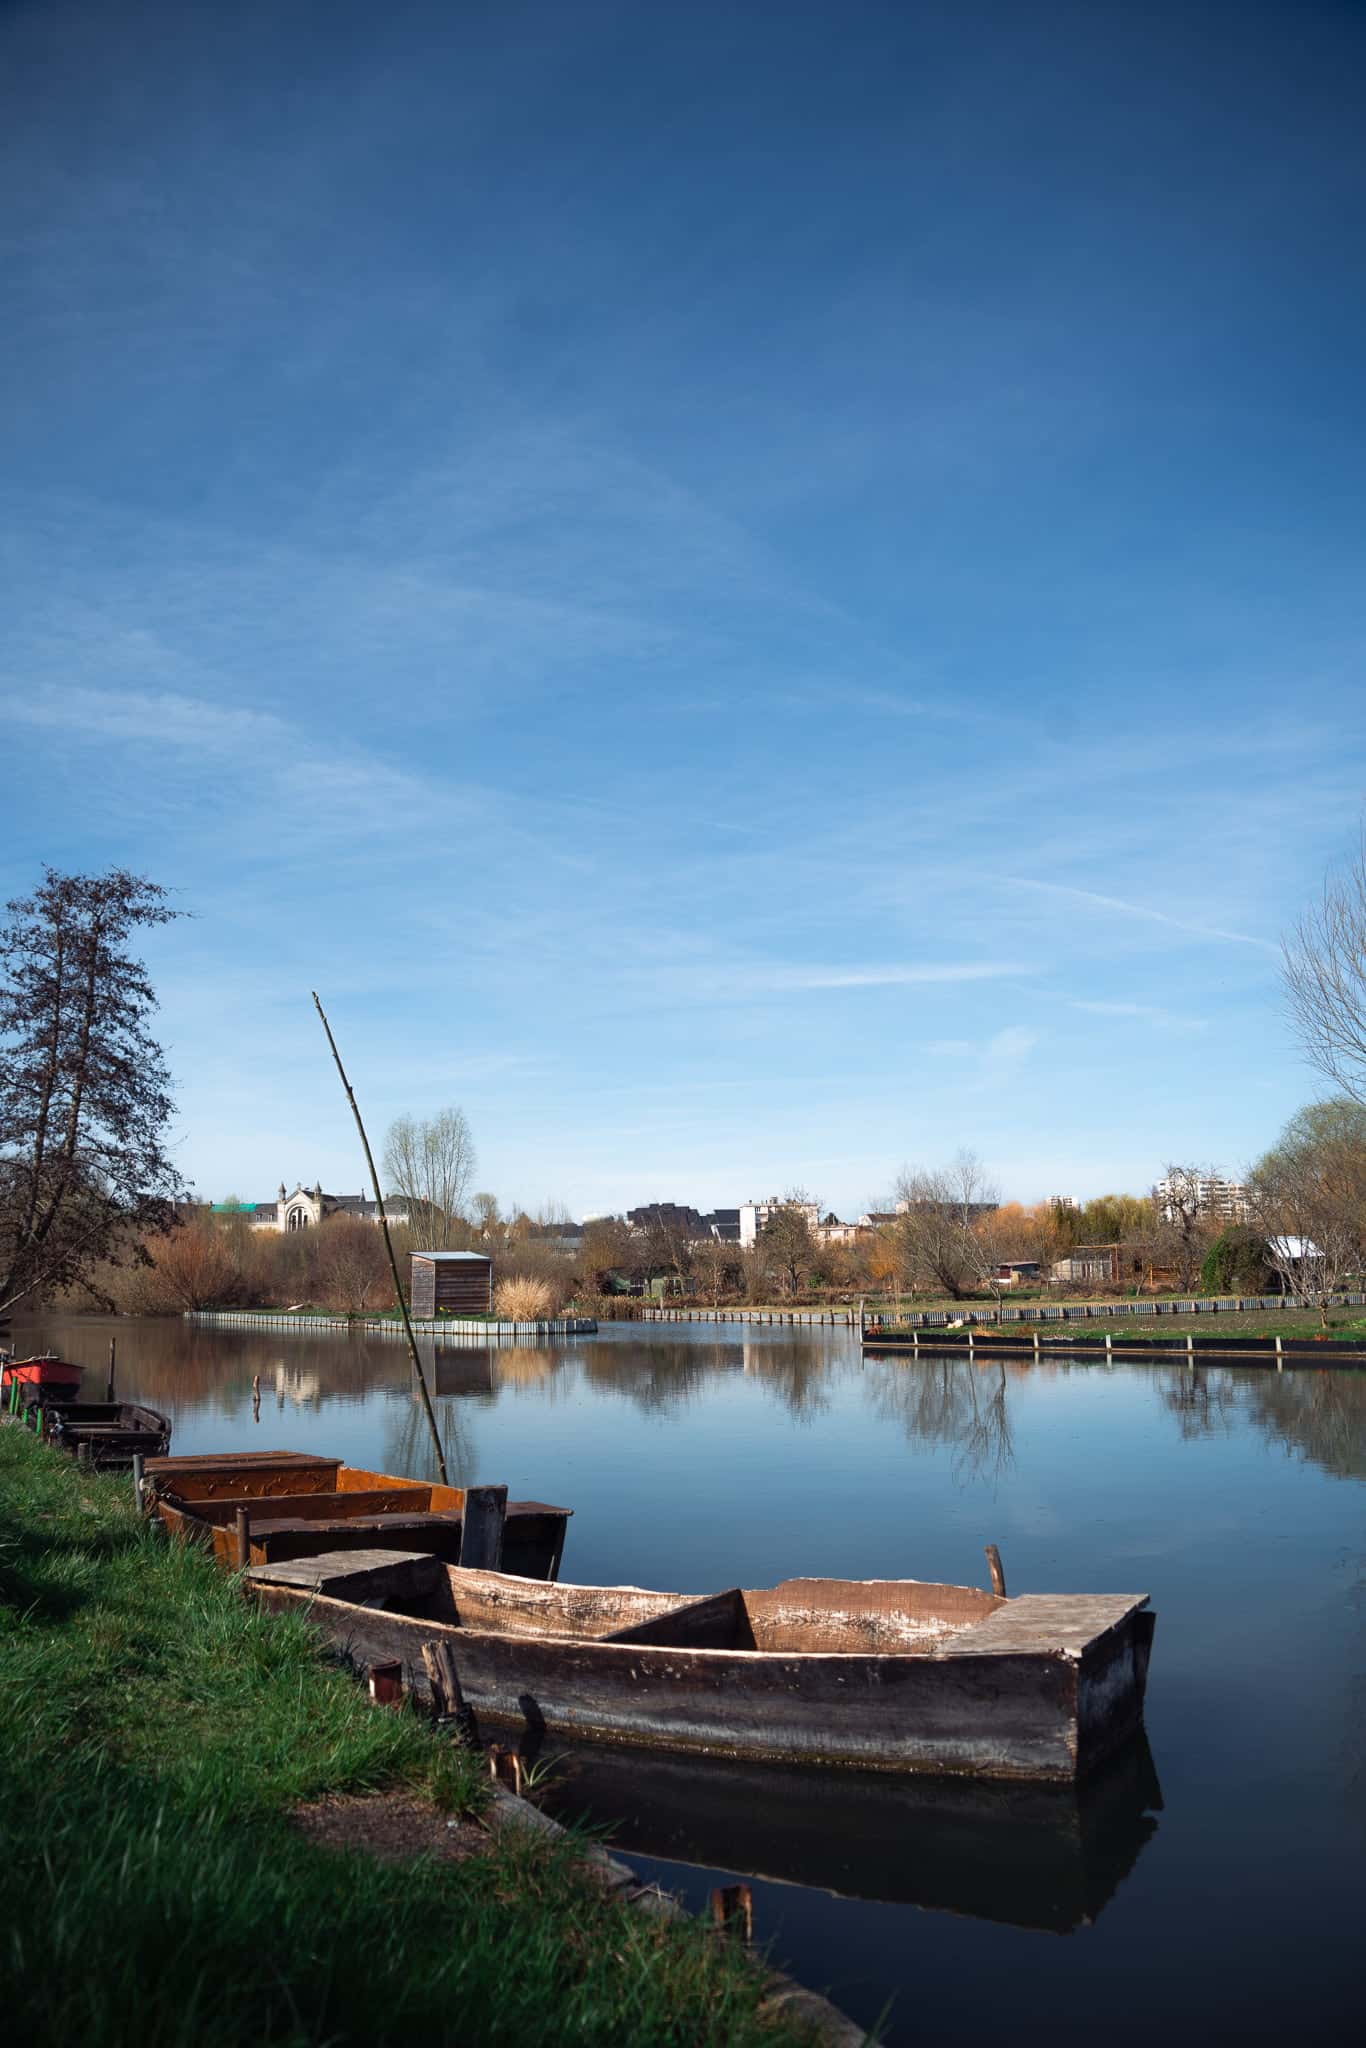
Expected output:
{"points": [[113, 1432], [56, 1377], [889, 1675], [299, 1505]]}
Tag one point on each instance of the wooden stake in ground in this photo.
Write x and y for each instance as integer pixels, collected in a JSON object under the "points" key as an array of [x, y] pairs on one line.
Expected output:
{"points": [[998, 1577], [420, 1376]]}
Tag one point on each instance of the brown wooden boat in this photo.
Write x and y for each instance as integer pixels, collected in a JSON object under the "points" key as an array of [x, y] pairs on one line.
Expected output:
{"points": [[112, 1432], [300, 1505], [890, 1675]]}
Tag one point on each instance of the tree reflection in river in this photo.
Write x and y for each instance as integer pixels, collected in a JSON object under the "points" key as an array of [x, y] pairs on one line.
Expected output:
{"points": [[951, 1401], [1321, 1415]]}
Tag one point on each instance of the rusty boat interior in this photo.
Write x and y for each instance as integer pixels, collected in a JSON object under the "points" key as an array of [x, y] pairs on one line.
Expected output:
{"points": [[300, 1505]]}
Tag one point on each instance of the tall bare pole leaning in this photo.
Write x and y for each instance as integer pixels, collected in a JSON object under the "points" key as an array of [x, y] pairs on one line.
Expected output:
{"points": [[388, 1246]]}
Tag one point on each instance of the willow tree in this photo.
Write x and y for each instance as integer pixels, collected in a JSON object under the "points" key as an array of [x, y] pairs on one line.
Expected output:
{"points": [[85, 1099]]}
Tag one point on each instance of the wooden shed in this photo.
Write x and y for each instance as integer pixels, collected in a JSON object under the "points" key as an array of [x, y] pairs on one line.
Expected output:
{"points": [[451, 1283]]}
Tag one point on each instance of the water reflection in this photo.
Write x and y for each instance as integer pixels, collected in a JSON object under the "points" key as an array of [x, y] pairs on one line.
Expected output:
{"points": [[949, 1400], [698, 1457], [1038, 1856], [945, 1401]]}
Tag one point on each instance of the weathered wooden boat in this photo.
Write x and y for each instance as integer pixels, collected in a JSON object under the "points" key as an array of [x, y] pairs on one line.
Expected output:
{"points": [[889, 1675], [299, 1505], [1037, 1855], [56, 1377], [113, 1433]]}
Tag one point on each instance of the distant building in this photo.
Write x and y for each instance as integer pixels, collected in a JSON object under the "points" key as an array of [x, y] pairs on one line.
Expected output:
{"points": [[699, 1227], [1203, 1194], [754, 1215], [1016, 1272], [306, 1208], [1088, 1265]]}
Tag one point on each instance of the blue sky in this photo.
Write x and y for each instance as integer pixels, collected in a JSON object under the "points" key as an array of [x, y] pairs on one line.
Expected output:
{"points": [[752, 594]]}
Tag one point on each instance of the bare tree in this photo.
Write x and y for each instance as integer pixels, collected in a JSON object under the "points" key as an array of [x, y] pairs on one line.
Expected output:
{"points": [[1309, 1198], [785, 1243], [1182, 1232], [194, 1265], [716, 1267], [432, 1163], [1324, 971], [353, 1271], [84, 1089], [941, 1214]]}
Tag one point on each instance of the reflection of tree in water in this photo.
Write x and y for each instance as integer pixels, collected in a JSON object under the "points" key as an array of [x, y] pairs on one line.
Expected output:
{"points": [[656, 1376], [949, 1401], [1203, 1402], [796, 1372], [1321, 1415], [408, 1448]]}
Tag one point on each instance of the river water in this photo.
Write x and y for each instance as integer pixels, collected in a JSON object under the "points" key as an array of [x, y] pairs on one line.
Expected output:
{"points": [[1207, 1889]]}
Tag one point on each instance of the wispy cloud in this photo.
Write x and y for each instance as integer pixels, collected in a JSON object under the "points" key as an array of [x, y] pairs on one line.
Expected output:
{"points": [[1141, 911], [880, 977], [1151, 1013]]}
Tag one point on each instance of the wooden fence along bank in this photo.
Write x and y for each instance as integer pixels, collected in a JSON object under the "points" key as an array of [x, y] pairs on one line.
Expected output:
{"points": [[982, 1333], [445, 1329]]}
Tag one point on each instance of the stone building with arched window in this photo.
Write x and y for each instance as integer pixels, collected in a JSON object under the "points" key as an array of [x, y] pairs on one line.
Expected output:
{"points": [[306, 1208]]}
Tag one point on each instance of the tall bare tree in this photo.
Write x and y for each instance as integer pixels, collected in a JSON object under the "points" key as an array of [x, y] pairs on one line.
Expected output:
{"points": [[1309, 1198], [1324, 971], [431, 1161], [942, 1211], [84, 1089]]}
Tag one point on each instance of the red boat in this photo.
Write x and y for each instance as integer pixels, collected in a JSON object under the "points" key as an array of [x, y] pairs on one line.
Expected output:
{"points": [[58, 1379]]}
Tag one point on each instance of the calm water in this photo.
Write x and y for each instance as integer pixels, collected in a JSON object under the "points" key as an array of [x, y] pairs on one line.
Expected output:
{"points": [[1208, 1890]]}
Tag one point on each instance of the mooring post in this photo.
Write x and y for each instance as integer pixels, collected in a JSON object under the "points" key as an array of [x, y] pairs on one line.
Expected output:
{"points": [[1190, 1344], [732, 1911], [1036, 1346], [243, 1538], [1279, 1365], [109, 1388], [1108, 1342], [137, 1482], [998, 1577], [256, 1397], [448, 1698], [481, 1536]]}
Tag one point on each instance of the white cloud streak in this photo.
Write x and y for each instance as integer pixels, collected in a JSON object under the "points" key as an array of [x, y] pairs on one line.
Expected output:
{"points": [[1140, 911]]}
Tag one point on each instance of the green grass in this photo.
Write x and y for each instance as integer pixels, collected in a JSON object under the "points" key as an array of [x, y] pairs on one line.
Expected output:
{"points": [[1344, 1325], [157, 1729]]}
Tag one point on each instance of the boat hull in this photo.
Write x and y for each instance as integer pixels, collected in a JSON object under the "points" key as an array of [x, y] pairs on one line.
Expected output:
{"points": [[1040, 1689], [113, 1433], [56, 1378], [302, 1506]]}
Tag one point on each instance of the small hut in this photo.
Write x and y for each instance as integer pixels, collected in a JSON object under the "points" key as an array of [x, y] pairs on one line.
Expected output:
{"points": [[451, 1284]]}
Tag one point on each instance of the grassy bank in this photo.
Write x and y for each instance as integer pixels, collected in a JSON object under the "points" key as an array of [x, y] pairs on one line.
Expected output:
{"points": [[1344, 1326], [158, 1732]]}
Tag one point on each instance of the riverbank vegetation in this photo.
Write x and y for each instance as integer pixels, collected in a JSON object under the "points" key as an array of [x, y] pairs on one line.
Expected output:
{"points": [[160, 1737]]}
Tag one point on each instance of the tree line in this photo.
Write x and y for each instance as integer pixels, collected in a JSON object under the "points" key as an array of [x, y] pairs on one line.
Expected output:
{"points": [[93, 1209]]}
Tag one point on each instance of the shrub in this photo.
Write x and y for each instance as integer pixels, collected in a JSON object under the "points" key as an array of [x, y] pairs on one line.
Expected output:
{"points": [[524, 1300]]}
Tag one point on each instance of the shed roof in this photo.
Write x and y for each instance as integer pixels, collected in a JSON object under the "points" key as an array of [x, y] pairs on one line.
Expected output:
{"points": [[482, 1257]]}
